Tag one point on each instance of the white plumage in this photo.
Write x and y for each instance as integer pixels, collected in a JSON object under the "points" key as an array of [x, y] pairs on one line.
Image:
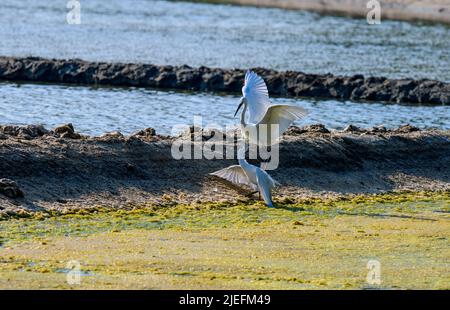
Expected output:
{"points": [[257, 95], [266, 123], [252, 176], [276, 120], [262, 114]]}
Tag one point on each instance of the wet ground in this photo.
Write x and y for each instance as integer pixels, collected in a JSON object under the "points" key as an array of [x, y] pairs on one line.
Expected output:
{"points": [[311, 244], [62, 170]]}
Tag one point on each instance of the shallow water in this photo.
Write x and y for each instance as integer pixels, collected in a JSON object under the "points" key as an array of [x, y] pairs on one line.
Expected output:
{"points": [[165, 32], [98, 110]]}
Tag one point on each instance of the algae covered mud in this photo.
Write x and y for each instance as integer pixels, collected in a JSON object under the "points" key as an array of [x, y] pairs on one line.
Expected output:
{"points": [[105, 212], [306, 244]]}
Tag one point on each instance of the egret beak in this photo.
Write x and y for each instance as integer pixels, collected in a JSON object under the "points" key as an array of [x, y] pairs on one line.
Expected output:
{"points": [[239, 107]]}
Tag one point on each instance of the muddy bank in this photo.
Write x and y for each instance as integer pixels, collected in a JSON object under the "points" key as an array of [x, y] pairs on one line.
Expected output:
{"points": [[62, 169], [409, 10], [287, 84]]}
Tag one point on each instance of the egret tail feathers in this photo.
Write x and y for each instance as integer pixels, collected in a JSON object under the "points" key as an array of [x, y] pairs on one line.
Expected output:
{"points": [[265, 187], [236, 175]]}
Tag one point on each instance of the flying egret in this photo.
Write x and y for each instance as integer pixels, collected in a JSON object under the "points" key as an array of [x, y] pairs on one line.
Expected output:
{"points": [[266, 120], [251, 175], [256, 93], [276, 120]]}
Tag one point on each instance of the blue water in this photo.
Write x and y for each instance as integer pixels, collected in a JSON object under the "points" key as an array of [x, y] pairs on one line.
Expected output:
{"points": [[165, 32], [98, 110]]}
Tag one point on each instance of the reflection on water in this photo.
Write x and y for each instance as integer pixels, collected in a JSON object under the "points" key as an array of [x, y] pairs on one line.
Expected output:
{"points": [[165, 32], [98, 110]]}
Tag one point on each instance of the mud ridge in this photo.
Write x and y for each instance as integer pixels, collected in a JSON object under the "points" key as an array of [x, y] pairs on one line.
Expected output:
{"points": [[58, 169], [286, 84]]}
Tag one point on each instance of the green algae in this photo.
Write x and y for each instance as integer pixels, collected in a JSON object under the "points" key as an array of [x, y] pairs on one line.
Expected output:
{"points": [[301, 244], [80, 222]]}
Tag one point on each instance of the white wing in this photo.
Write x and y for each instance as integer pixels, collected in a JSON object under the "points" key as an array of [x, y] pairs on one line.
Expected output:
{"points": [[281, 114], [263, 167], [235, 174], [257, 95], [265, 184]]}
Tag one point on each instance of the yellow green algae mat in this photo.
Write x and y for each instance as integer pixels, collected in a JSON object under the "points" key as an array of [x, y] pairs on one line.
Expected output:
{"points": [[389, 241]]}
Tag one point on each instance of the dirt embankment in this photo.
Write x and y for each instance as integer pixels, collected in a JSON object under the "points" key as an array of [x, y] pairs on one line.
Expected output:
{"points": [[409, 10], [287, 84], [62, 169]]}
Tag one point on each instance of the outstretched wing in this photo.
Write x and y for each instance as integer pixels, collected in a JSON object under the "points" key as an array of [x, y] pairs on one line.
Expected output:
{"points": [[282, 115], [235, 174], [264, 166], [257, 95], [265, 184]]}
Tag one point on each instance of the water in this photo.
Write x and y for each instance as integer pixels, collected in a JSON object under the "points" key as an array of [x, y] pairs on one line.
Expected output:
{"points": [[94, 111], [163, 32]]}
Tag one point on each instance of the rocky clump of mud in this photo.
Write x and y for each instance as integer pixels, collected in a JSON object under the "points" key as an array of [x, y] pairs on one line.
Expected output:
{"points": [[10, 189], [56, 170], [67, 131], [288, 83], [29, 132]]}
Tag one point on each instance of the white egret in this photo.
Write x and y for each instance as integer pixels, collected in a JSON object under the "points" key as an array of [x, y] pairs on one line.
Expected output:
{"points": [[276, 120], [250, 175], [266, 120], [256, 93]]}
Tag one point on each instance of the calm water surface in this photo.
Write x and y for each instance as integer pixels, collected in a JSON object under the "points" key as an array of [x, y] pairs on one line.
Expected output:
{"points": [[165, 32], [98, 110]]}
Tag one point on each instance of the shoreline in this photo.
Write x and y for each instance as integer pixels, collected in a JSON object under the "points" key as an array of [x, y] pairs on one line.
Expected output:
{"points": [[62, 170], [434, 11], [283, 84]]}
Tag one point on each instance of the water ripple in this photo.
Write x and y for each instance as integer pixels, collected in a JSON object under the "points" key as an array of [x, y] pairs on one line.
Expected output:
{"points": [[98, 110], [165, 32]]}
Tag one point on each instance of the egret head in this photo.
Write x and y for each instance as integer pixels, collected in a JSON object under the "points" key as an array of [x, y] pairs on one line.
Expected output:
{"points": [[242, 102]]}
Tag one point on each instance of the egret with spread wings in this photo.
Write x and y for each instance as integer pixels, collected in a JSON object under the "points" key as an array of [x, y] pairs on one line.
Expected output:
{"points": [[256, 93], [266, 121], [252, 176]]}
